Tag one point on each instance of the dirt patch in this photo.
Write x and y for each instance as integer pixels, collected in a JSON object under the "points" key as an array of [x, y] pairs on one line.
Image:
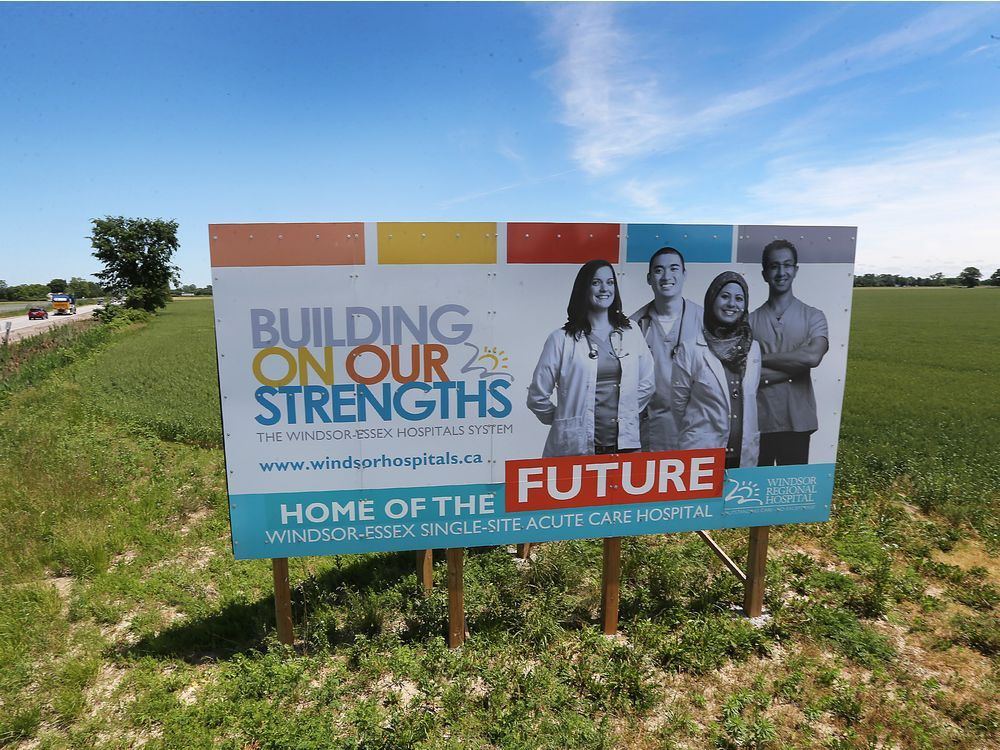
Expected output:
{"points": [[101, 691], [403, 690], [63, 586], [125, 558], [967, 555], [193, 520], [189, 695], [120, 634]]}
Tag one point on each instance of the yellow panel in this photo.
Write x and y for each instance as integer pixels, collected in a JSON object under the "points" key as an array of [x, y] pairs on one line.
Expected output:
{"points": [[437, 242]]}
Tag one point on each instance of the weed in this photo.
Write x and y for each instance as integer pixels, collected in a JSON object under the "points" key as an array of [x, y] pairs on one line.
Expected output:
{"points": [[981, 632], [21, 724], [840, 628], [744, 725], [702, 644]]}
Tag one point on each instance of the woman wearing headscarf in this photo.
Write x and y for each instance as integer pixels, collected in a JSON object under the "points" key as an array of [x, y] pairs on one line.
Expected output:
{"points": [[715, 379], [598, 366]]}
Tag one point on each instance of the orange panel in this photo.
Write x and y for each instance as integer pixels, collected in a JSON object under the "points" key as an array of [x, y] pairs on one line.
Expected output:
{"points": [[561, 243], [287, 244]]}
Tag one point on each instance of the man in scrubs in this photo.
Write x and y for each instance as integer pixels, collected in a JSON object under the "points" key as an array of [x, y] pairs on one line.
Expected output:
{"points": [[666, 322], [793, 339]]}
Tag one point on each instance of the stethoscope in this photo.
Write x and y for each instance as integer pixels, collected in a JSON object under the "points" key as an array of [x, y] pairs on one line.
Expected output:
{"points": [[680, 330], [619, 352]]}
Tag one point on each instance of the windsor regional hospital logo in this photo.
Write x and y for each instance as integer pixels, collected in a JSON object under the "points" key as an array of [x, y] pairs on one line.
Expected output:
{"points": [[768, 494]]}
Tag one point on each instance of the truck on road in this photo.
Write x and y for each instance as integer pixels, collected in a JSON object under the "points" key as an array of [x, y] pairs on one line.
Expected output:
{"points": [[64, 304]]}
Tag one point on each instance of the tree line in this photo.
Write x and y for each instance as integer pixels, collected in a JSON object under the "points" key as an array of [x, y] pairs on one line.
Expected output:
{"points": [[76, 286], [969, 277], [79, 288]]}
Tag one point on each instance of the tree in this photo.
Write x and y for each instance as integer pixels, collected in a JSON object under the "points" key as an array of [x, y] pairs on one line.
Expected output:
{"points": [[27, 292], [970, 277], [81, 288], [995, 278], [136, 255], [57, 285]]}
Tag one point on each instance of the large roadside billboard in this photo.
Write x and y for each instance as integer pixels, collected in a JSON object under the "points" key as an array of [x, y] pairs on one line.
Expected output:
{"points": [[397, 386]]}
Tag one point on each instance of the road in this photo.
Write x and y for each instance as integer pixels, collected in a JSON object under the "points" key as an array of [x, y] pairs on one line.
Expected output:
{"points": [[22, 328]]}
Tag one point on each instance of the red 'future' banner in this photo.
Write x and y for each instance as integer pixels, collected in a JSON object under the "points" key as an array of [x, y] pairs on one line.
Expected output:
{"points": [[581, 481]]}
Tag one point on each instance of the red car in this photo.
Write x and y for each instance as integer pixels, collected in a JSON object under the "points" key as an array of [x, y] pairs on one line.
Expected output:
{"points": [[37, 313]]}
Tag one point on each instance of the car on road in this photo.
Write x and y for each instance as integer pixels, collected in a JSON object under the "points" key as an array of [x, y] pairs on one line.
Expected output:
{"points": [[37, 313]]}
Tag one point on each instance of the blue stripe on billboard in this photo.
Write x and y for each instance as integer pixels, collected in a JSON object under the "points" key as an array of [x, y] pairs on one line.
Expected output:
{"points": [[356, 521], [700, 243]]}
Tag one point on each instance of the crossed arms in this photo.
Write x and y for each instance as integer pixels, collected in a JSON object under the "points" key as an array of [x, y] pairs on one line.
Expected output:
{"points": [[782, 365]]}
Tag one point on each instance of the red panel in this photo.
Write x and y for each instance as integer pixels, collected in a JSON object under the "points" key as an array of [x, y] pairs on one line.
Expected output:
{"points": [[562, 243], [581, 481]]}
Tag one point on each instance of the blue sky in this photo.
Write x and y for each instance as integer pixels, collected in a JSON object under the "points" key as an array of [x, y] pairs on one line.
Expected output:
{"points": [[882, 115]]}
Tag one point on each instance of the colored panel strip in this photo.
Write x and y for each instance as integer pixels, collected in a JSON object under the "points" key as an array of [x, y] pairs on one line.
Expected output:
{"points": [[813, 244], [287, 244], [355, 521], [562, 243], [699, 243], [427, 243]]}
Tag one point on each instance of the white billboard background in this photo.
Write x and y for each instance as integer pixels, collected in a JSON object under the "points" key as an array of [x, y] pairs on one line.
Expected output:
{"points": [[512, 307]]}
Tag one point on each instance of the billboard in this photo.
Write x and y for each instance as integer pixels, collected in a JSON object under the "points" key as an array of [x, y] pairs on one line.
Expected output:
{"points": [[399, 386]]}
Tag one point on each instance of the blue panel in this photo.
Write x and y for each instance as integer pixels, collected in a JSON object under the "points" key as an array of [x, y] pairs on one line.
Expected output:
{"points": [[474, 515], [699, 243]]}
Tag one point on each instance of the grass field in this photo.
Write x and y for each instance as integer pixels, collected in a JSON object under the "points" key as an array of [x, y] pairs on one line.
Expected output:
{"points": [[125, 622]]}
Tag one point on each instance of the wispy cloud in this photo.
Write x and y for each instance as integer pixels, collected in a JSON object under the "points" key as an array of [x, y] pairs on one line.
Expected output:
{"points": [[650, 197], [616, 106], [804, 31], [507, 150], [620, 108], [922, 207]]}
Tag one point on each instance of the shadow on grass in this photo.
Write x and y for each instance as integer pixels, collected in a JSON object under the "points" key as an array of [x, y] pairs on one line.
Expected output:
{"points": [[242, 627]]}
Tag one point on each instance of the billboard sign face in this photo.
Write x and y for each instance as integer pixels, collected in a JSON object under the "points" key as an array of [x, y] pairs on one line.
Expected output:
{"points": [[398, 386]]}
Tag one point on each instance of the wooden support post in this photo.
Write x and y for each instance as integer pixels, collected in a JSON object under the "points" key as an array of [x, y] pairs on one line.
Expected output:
{"points": [[282, 600], [425, 569], [456, 598], [753, 595], [721, 553], [610, 583], [524, 550]]}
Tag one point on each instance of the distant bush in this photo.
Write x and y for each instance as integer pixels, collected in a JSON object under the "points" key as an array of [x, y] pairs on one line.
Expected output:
{"points": [[118, 317]]}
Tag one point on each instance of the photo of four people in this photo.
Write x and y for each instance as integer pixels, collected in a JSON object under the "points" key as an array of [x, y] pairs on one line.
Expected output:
{"points": [[677, 375]]}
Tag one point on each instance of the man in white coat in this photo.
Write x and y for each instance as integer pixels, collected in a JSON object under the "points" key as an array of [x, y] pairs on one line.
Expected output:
{"points": [[666, 322]]}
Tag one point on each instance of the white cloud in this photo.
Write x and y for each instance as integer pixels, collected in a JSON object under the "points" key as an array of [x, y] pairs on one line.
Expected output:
{"points": [[503, 188], [616, 106], [649, 197], [619, 107], [923, 207]]}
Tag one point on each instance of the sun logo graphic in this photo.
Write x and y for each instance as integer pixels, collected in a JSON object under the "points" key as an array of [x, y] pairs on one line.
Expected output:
{"points": [[489, 362], [743, 493]]}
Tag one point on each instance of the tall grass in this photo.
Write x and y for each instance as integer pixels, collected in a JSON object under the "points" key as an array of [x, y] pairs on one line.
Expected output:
{"points": [[29, 361], [163, 379], [922, 406]]}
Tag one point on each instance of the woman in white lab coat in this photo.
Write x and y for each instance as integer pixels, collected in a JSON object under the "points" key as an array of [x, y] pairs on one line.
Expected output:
{"points": [[600, 369], [715, 378]]}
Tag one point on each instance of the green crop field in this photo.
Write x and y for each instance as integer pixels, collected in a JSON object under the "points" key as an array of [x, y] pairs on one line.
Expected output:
{"points": [[125, 622]]}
